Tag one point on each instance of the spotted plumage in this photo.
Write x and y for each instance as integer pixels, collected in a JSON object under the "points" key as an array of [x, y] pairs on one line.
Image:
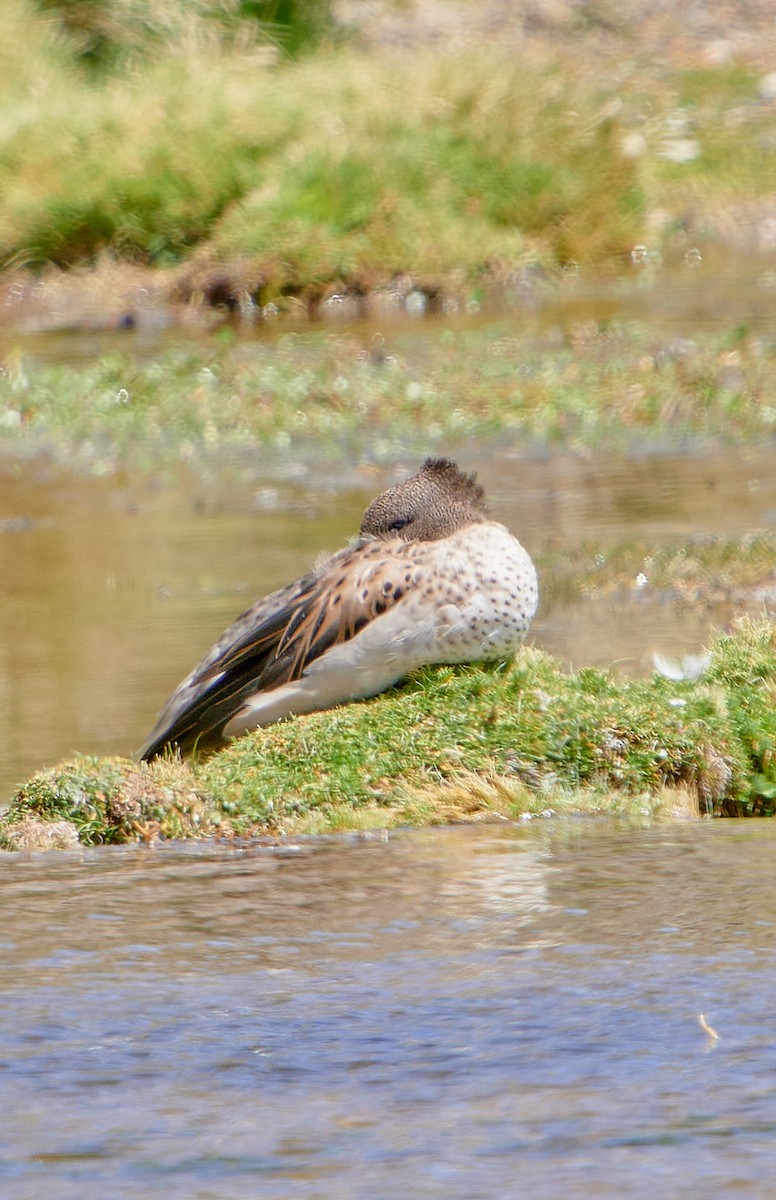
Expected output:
{"points": [[430, 579]]}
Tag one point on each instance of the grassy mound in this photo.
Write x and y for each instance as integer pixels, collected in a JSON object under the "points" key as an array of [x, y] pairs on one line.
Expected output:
{"points": [[318, 170], [174, 132], [451, 743]]}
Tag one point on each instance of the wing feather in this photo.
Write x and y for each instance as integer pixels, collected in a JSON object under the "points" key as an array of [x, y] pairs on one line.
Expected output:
{"points": [[273, 642]]}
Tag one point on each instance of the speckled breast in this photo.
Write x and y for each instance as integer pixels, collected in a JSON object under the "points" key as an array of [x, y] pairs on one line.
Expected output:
{"points": [[483, 593]]}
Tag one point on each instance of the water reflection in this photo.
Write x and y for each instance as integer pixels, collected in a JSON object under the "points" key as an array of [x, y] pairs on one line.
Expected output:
{"points": [[429, 1014], [111, 590]]}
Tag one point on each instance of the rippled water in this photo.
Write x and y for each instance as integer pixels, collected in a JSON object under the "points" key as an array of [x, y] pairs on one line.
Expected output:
{"points": [[477, 1012], [111, 591]]}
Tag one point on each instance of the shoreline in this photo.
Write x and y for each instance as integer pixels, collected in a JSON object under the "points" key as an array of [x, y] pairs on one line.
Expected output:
{"points": [[449, 744]]}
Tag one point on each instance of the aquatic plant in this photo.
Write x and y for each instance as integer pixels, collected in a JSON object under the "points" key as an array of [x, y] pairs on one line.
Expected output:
{"points": [[603, 384]]}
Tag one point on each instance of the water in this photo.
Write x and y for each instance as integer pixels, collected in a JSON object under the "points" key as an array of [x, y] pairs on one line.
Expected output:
{"points": [[452, 1013], [718, 288], [112, 590]]}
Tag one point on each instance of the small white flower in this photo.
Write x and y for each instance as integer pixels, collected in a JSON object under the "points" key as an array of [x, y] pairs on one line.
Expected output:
{"points": [[766, 88], [633, 145], [10, 418], [680, 150]]}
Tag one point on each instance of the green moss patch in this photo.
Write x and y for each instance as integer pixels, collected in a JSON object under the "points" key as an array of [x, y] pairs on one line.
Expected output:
{"points": [[450, 744]]}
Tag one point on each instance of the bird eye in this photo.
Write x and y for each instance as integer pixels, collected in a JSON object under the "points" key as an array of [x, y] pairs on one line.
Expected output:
{"points": [[399, 523]]}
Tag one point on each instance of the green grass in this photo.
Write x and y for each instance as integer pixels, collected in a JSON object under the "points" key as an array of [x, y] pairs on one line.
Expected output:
{"points": [[317, 171], [107, 36], [450, 744], [167, 133], [323, 393]]}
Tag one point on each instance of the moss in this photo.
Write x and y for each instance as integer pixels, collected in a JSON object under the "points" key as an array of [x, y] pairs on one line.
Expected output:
{"points": [[108, 800], [459, 743]]}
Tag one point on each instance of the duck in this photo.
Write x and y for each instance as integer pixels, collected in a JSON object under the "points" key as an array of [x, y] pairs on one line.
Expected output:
{"points": [[430, 578]]}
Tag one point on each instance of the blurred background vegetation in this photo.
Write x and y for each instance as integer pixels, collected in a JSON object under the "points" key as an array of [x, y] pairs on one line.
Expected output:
{"points": [[114, 35], [305, 145]]}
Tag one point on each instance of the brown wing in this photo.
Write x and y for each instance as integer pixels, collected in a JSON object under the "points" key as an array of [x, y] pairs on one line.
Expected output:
{"points": [[275, 640]]}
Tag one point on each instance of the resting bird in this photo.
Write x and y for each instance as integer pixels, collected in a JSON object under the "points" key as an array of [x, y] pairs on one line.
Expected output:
{"points": [[430, 579]]}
